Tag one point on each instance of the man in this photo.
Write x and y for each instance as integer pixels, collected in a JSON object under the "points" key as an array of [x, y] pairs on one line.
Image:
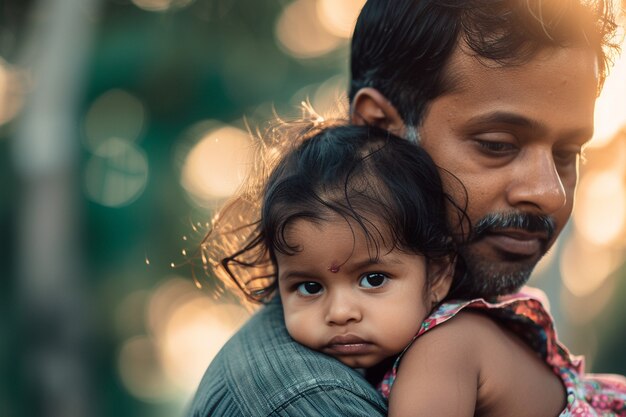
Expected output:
{"points": [[501, 94]]}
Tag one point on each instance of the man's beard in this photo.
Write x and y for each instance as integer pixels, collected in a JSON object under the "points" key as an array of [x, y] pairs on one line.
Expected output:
{"points": [[488, 278]]}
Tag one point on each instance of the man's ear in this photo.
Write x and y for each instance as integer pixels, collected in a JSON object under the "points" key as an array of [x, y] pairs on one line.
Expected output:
{"points": [[370, 107], [440, 276]]}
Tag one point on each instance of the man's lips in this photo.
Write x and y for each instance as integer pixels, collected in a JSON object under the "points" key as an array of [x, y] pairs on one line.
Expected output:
{"points": [[517, 242], [348, 345]]}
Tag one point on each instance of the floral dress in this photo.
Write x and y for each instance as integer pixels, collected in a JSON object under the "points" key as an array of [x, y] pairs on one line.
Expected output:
{"points": [[524, 314]]}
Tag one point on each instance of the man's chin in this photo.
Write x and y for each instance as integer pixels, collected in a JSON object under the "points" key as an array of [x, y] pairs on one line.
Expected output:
{"points": [[489, 278], [491, 272]]}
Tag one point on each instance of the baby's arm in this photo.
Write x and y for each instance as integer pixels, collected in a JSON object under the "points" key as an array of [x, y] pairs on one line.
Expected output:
{"points": [[439, 374]]}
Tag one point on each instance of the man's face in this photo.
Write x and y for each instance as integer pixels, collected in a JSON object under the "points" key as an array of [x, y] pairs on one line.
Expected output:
{"points": [[513, 135]]}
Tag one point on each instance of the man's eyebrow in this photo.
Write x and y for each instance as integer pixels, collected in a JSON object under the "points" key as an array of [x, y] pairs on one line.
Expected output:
{"points": [[503, 117], [583, 133]]}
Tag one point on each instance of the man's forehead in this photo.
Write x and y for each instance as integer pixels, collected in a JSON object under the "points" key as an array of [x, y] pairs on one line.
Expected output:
{"points": [[552, 94], [465, 66]]}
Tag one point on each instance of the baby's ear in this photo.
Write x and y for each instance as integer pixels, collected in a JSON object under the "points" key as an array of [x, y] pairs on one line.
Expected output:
{"points": [[440, 275], [369, 107]]}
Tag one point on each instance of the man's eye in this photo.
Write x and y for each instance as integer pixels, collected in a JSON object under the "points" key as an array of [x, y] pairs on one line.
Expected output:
{"points": [[309, 288], [373, 280], [566, 157], [496, 147]]}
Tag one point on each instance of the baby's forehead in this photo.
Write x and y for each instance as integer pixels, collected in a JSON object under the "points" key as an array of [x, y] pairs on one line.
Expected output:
{"points": [[365, 231]]}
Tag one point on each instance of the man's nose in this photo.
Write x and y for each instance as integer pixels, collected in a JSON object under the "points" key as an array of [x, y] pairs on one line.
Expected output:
{"points": [[538, 185], [342, 308]]}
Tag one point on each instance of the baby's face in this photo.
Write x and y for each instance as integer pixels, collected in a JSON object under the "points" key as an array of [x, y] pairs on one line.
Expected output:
{"points": [[340, 301]]}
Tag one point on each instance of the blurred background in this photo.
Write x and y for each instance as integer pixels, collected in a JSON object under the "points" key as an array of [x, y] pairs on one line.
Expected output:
{"points": [[123, 126]]}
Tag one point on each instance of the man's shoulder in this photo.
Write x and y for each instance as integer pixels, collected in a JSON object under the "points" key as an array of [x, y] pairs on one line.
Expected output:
{"points": [[265, 371], [262, 354]]}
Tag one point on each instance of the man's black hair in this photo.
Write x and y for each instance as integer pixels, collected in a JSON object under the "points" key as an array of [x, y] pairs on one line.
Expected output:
{"points": [[402, 47]]}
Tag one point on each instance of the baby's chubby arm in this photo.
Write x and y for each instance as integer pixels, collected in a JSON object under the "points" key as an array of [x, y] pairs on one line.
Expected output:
{"points": [[439, 373]]}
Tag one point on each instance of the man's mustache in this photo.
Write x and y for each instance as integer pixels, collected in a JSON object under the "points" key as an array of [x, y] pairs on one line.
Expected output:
{"points": [[496, 222]]}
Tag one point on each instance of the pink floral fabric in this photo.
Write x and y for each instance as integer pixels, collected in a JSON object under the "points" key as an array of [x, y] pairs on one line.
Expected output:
{"points": [[524, 313]]}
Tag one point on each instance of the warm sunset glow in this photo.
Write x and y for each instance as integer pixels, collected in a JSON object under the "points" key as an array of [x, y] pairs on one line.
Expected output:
{"points": [[216, 166], [193, 334], [185, 330], [600, 212], [582, 310], [11, 92], [330, 98], [544, 264], [140, 371], [300, 32], [170, 294], [585, 267], [339, 17], [610, 114]]}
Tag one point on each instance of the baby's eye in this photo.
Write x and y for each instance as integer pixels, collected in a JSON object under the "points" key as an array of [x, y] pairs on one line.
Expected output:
{"points": [[373, 280], [309, 288]]}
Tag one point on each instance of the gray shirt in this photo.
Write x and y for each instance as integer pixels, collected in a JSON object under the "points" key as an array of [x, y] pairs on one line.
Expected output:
{"points": [[261, 372]]}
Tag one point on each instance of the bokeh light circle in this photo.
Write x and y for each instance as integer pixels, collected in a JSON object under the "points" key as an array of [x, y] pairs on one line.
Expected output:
{"points": [[140, 371], [300, 32], [11, 91], [193, 334], [185, 330], [584, 266], [339, 17], [116, 113], [116, 174], [610, 116], [600, 212], [217, 164], [583, 310]]}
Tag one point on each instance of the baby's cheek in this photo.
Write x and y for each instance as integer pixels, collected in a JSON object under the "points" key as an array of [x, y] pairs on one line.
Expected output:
{"points": [[300, 327], [407, 323]]}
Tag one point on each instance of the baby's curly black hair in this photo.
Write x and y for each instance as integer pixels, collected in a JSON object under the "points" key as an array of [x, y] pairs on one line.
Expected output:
{"points": [[386, 185]]}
